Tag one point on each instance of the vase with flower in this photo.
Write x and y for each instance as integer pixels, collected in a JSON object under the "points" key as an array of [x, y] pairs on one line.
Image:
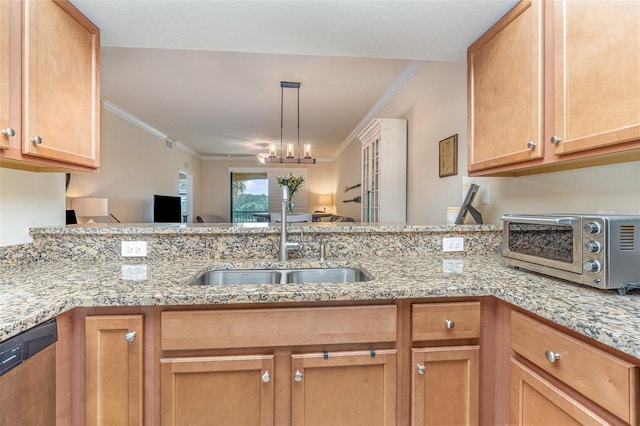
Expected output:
{"points": [[293, 183]]}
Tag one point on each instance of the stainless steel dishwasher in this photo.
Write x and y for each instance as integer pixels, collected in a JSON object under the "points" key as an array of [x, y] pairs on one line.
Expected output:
{"points": [[28, 377]]}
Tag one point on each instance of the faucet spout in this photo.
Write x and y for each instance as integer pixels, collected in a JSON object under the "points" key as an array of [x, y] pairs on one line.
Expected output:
{"points": [[285, 245]]}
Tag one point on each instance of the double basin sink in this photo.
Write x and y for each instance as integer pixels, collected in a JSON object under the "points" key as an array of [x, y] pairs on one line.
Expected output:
{"points": [[280, 276]]}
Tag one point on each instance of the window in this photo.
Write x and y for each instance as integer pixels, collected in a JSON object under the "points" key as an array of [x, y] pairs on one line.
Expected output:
{"points": [[184, 191], [249, 195]]}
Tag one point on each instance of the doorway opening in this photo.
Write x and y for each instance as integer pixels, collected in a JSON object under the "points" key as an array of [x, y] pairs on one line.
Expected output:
{"points": [[249, 196], [185, 190]]}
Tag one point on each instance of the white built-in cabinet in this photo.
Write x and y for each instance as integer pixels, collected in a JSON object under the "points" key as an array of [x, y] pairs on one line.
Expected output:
{"points": [[384, 170]]}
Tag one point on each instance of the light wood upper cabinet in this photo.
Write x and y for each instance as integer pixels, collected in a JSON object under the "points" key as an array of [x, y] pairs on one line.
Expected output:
{"points": [[114, 369], [9, 73], [506, 89], [597, 73], [57, 100], [554, 85]]}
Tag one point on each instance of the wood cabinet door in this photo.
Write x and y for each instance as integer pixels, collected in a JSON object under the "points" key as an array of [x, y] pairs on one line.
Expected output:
{"points": [[344, 388], [114, 369], [9, 72], [505, 86], [536, 401], [60, 83], [220, 390], [596, 73], [445, 385]]}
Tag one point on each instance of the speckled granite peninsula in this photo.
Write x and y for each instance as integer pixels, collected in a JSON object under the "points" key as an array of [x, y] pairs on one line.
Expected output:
{"points": [[81, 266]]}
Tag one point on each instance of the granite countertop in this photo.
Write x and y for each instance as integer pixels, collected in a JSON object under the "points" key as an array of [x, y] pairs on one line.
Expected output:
{"points": [[37, 291]]}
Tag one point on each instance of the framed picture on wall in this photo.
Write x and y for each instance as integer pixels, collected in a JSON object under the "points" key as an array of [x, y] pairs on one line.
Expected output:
{"points": [[448, 159]]}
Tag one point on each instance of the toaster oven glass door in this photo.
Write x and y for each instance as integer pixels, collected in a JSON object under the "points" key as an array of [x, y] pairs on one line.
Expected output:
{"points": [[551, 241]]}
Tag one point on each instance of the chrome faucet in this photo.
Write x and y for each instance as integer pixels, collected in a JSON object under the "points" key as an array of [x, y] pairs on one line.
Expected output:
{"points": [[286, 246]]}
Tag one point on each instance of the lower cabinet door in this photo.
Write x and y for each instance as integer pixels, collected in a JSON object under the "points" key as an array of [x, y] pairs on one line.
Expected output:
{"points": [[114, 369], [217, 390], [445, 385], [344, 388], [536, 401]]}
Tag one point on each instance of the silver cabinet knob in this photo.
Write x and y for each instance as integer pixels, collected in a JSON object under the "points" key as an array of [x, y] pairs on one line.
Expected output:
{"points": [[421, 368], [551, 356], [450, 324], [36, 139], [130, 336], [531, 144], [8, 132], [266, 378], [555, 140], [297, 376]]}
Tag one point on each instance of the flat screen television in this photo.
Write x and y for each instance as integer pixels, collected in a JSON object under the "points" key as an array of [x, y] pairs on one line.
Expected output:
{"points": [[167, 209], [468, 208]]}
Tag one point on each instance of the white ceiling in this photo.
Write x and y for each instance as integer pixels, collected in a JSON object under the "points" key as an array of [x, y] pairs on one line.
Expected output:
{"points": [[207, 72]]}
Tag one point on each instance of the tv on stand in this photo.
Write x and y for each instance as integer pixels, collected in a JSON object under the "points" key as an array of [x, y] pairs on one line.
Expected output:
{"points": [[167, 209]]}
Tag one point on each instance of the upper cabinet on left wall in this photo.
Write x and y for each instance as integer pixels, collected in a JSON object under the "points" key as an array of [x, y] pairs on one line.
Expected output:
{"points": [[49, 87]]}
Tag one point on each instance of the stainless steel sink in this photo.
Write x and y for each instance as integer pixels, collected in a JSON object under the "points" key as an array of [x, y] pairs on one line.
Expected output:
{"points": [[238, 276], [277, 276], [321, 275]]}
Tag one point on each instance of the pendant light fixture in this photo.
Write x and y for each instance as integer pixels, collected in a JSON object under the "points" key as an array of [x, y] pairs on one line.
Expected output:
{"points": [[291, 154]]}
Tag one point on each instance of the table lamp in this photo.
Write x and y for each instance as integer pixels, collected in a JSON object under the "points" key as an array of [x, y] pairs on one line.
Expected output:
{"points": [[324, 200], [90, 207]]}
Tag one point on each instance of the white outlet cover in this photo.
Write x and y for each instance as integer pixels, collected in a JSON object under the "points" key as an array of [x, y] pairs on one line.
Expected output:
{"points": [[134, 248], [453, 244]]}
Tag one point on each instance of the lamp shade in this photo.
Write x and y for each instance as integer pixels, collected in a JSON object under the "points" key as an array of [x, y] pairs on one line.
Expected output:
{"points": [[90, 207], [325, 199]]}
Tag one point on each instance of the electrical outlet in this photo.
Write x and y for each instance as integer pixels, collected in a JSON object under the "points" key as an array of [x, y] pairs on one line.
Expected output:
{"points": [[453, 244], [134, 248]]}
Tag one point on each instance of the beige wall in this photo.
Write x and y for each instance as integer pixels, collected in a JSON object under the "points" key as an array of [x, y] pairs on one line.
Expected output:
{"points": [[28, 200], [134, 165], [434, 103]]}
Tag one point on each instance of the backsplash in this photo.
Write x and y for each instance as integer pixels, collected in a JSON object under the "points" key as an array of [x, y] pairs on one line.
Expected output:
{"points": [[103, 242]]}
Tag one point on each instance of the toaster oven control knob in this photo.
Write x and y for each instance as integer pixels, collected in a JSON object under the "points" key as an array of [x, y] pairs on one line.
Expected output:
{"points": [[592, 247], [592, 228], [592, 266]]}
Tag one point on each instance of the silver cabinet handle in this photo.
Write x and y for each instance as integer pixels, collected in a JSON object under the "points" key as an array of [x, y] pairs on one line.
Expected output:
{"points": [[130, 336], [551, 356], [555, 140], [266, 378], [450, 324], [531, 144], [36, 139], [8, 132], [297, 376], [421, 368]]}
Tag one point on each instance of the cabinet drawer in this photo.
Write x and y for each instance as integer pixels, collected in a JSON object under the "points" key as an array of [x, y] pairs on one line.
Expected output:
{"points": [[445, 321], [248, 328], [610, 382]]}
